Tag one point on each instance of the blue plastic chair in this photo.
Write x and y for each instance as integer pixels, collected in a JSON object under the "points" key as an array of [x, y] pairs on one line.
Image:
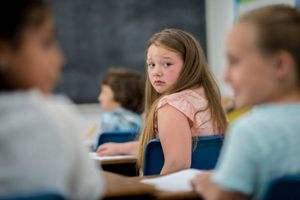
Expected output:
{"points": [[205, 153], [40, 196], [286, 187], [117, 136]]}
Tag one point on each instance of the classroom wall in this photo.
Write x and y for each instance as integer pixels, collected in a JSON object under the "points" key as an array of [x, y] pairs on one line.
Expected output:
{"points": [[97, 34], [219, 16]]}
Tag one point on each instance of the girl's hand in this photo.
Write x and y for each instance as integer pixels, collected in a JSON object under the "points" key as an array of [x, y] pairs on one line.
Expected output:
{"points": [[109, 149]]}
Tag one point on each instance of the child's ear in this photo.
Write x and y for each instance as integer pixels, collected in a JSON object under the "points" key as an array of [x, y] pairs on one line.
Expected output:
{"points": [[285, 65]]}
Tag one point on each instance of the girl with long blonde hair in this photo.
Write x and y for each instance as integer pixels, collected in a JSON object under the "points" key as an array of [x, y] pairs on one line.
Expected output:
{"points": [[181, 99]]}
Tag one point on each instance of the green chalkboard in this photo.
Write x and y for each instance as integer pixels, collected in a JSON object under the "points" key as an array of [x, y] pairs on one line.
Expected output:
{"points": [[97, 34]]}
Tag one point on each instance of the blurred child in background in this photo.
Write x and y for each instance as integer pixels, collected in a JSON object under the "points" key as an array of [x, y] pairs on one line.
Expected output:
{"points": [[122, 101], [262, 50], [40, 145]]}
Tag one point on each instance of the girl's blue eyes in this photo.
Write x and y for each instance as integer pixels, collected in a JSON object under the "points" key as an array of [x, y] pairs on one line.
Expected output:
{"points": [[152, 65]]}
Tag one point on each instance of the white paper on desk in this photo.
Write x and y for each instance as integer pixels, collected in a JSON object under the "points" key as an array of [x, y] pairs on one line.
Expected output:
{"points": [[94, 156], [175, 182]]}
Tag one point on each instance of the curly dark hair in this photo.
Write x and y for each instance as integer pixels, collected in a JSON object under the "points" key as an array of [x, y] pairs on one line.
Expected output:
{"points": [[128, 88]]}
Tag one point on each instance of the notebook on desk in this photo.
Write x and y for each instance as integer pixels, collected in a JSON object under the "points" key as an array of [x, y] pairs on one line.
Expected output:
{"points": [[94, 156], [175, 182]]}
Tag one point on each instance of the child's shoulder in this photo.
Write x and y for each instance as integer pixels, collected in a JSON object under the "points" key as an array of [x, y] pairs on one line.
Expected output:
{"points": [[185, 94], [188, 94], [32, 99], [185, 98], [269, 116], [32, 107]]}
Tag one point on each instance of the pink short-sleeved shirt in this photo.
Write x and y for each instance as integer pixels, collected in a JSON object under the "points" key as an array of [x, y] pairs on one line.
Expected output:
{"points": [[194, 107]]}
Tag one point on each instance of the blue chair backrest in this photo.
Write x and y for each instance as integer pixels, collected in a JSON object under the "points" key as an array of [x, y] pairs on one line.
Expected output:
{"points": [[205, 153], [286, 187], [117, 136], [41, 196]]}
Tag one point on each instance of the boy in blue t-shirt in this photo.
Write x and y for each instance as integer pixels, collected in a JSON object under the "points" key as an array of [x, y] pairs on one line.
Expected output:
{"points": [[121, 98]]}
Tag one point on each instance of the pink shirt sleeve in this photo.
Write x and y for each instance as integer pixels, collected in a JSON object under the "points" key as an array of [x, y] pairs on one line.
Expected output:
{"points": [[190, 103]]}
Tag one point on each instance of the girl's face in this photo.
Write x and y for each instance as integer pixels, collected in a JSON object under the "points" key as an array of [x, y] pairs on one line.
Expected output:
{"points": [[250, 73], [106, 99], [37, 61], [164, 67]]}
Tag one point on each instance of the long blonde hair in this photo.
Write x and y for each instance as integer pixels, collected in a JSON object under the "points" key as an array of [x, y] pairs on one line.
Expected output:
{"points": [[195, 73]]}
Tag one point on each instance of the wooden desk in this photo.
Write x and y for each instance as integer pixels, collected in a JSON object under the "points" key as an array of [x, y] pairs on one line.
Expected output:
{"points": [[163, 195], [123, 187]]}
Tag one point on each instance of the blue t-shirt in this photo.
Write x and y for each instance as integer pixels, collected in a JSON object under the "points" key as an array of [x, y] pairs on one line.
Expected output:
{"points": [[120, 120], [261, 146]]}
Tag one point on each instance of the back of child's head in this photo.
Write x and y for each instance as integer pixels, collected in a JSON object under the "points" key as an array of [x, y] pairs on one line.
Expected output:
{"points": [[29, 55], [195, 72], [278, 28], [128, 88]]}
